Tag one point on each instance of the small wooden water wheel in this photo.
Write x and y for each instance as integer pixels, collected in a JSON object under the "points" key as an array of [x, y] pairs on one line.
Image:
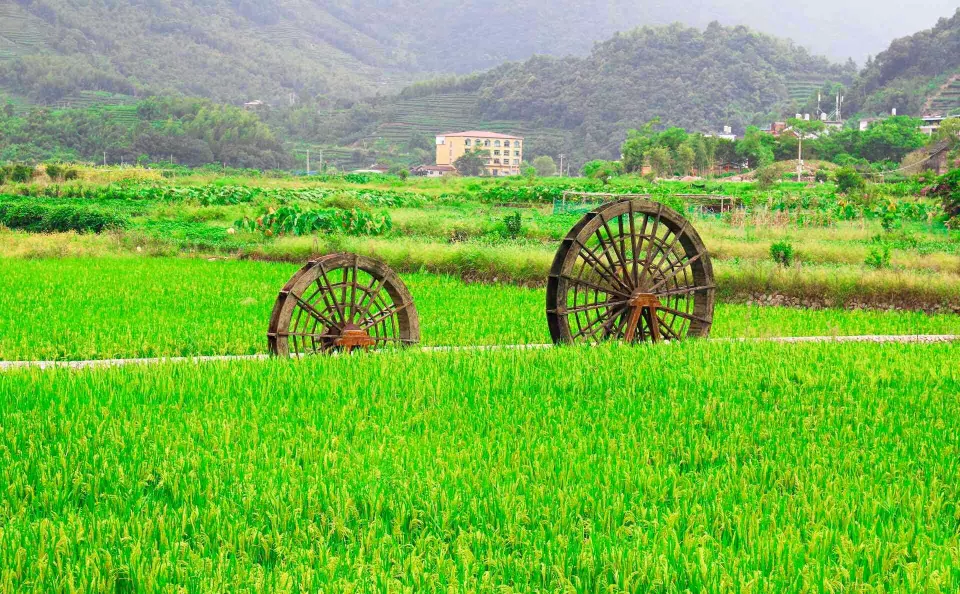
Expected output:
{"points": [[342, 302], [630, 270]]}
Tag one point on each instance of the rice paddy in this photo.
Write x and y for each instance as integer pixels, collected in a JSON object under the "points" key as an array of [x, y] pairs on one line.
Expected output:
{"points": [[101, 308], [700, 467]]}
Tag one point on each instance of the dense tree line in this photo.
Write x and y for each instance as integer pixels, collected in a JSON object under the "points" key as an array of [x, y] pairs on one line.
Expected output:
{"points": [[674, 151], [187, 131]]}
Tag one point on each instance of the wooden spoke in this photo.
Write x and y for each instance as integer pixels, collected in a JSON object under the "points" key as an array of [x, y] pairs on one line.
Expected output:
{"points": [[383, 315], [675, 270], [594, 286], [630, 270], [686, 290], [312, 311], [607, 274], [342, 302], [593, 306]]}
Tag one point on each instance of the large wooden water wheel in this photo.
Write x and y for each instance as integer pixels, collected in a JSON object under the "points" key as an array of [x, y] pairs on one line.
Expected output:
{"points": [[630, 270], [342, 302]]}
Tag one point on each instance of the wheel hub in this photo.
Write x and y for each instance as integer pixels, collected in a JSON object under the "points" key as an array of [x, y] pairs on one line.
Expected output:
{"points": [[353, 337], [643, 304]]}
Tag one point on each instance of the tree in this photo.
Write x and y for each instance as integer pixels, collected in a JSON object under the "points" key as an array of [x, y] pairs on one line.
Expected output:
{"points": [[756, 147], [950, 131], [635, 147], [948, 189], [660, 161], [703, 153], [848, 180], [545, 166], [602, 170], [891, 139], [472, 163], [686, 156]]}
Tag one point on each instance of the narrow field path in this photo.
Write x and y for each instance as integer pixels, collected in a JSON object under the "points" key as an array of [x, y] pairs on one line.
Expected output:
{"points": [[101, 363]]}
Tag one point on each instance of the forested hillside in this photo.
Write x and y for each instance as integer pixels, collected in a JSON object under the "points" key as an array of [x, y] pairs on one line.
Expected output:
{"points": [[912, 71], [699, 80], [238, 50]]}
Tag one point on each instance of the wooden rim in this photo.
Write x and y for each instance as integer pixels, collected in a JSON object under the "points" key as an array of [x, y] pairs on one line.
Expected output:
{"points": [[631, 270], [342, 302]]}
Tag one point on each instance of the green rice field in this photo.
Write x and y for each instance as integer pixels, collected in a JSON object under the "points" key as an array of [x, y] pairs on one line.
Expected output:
{"points": [[698, 467], [99, 308], [704, 466]]}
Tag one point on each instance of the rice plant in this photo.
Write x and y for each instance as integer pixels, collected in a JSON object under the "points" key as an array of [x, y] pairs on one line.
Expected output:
{"points": [[702, 467]]}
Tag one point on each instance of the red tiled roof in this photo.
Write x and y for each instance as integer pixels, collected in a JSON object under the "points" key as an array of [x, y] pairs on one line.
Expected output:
{"points": [[481, 134]]}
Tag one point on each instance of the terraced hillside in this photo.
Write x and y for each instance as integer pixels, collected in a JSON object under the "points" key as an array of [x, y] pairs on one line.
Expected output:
{"points": [[801, 87], [20, 33], [946, 100]]}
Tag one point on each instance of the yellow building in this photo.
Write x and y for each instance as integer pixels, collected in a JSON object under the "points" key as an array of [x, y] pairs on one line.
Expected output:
{"points": [[504, 152]]}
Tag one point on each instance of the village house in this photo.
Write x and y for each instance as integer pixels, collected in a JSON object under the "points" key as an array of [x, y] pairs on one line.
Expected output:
{"points": [[433, 170], [504, 152]]}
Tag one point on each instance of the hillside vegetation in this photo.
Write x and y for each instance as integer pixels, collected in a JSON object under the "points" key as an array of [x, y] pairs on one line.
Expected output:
{"points": [[911, 71], [699, 80]]}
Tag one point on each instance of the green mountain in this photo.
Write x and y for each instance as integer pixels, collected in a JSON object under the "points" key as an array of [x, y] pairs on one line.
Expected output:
{"points": [[916, 74], [697, 79], [230, 50]]}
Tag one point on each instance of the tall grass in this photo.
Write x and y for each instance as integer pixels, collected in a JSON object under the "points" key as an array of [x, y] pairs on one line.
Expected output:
{"points": [[706, 467]]}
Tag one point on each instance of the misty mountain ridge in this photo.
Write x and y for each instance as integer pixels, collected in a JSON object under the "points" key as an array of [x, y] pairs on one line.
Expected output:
{"points": [[238, 50]]}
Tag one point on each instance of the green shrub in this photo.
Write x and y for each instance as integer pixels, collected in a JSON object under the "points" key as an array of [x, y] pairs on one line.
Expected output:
{"points": [[849, 180], [54, 171], [71, 174], [766, 177], [891, 220], [782, 253], [20, 173], [947, 188], [512, 225], [43, 218], [822, 175], [879, 255]]}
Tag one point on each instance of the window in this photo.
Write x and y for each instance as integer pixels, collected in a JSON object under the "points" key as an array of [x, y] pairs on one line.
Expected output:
{"points": [[496, 152], [516, 153], [486, 143], [506, 143], [479, 142], [497, 143], [516, 161], [496, 161], [466, 142]]}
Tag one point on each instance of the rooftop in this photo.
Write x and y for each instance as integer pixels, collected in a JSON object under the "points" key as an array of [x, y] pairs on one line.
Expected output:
{"points": [[481, 134]]}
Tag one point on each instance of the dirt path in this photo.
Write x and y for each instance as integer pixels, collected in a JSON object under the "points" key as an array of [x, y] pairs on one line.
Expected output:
{"points": [[103, 363]]}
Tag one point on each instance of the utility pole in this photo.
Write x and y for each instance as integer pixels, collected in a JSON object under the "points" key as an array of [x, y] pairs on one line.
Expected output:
{"points": [[799, 155], [561, 164], [104, 158], [307, 151]]}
